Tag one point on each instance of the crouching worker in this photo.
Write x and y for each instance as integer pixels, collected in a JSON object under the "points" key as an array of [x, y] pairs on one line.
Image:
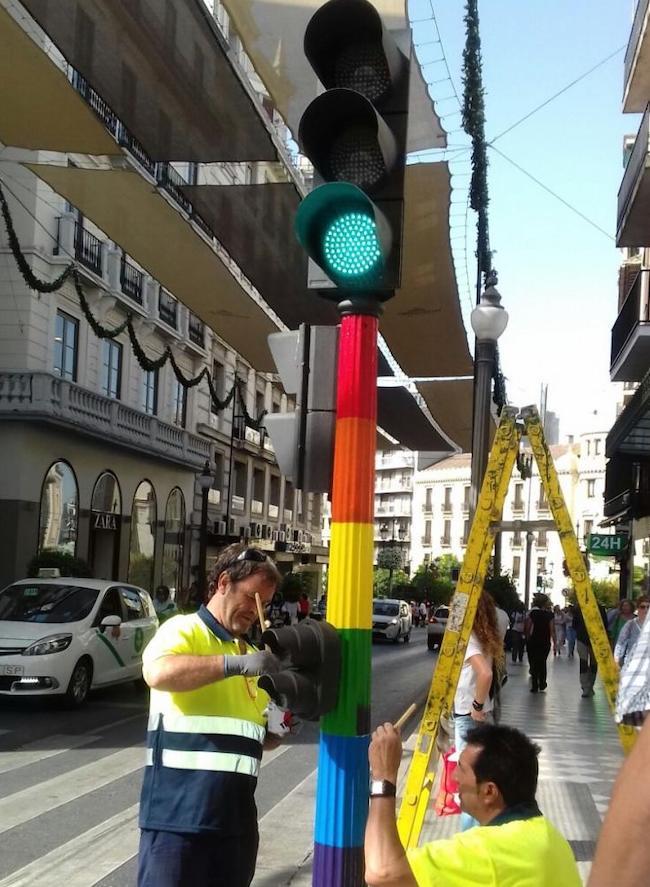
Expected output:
{"points": [[207, 729], [513, 843]]}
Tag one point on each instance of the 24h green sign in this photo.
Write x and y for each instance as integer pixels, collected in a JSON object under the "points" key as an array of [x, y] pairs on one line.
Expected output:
{"points": [[607, 545]]}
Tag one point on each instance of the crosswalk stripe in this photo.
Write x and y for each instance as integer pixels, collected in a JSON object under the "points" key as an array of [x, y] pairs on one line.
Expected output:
{"points": [[86, 859], [21, 806], [49, 746]]}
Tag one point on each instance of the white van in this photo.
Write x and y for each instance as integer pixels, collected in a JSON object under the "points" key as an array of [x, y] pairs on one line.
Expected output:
{"points": [[391, 620]]}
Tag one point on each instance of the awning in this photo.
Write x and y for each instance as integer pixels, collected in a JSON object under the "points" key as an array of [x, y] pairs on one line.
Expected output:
{"points": [[39, 109], [164, 70], [272, 33], [630, 434], [142, 221]]}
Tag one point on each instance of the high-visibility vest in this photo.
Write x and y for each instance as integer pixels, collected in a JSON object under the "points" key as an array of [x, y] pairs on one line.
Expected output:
{"points": [[204, 746]]}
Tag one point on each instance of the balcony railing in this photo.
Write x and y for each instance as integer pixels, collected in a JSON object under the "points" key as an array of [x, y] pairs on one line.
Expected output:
{"points": [[95, 101], [132, 145], [542, 505], [48, 398], [172, 181], [635, 34], [196, 331], [445, 541], [131, 280], [634, 312], [633, 172], [167, 308], [426, 540], [87, 248], [517, 505]]}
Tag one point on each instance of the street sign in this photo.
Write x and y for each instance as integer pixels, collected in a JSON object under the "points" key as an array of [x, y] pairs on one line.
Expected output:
{"points": [[607, 545]]}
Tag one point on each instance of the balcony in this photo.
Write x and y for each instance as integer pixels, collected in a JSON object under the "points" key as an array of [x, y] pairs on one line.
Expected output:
{"points": [[515, 541], [542, 505], [167, 308], [426, 540], [633, 218], [445, 541], [131, 280], [87, 249], [630, 354], [46, 398], [517, 506], [427, 508], [172, 181], [636, 70]]}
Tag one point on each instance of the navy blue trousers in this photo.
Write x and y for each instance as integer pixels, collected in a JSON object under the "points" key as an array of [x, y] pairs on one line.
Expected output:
{"points": [[172, 859]]}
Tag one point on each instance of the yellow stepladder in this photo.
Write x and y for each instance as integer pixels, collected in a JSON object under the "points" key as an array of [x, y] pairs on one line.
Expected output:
{"points": [[421, 774]]}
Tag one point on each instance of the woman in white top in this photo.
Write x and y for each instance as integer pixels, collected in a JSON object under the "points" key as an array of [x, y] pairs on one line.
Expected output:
{"points": [[630, 632], [472, 703]]}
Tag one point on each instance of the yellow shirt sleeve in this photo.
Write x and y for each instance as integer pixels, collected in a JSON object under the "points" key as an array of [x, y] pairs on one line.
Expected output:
{"points": [[174, 636], [460, 861]]}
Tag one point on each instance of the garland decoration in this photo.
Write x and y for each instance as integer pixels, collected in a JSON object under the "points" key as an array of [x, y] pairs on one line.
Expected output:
{"points": [[146, 363]]}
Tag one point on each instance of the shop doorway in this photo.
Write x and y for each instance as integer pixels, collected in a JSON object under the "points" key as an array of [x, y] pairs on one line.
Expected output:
{"points": [[105, 525]]}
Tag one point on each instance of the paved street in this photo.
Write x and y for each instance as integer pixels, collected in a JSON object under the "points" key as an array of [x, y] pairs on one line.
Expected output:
{"points": [[69, 782]]}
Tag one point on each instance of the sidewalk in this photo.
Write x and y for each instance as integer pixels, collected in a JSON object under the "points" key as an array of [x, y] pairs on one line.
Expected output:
{"points": [[579, 761]]}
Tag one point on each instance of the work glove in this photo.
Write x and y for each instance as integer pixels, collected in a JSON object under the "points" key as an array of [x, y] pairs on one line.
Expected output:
{"points": [[251, 664], [280, 721]]}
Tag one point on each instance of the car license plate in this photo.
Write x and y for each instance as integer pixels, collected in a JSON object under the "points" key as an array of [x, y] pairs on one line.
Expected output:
{"points": [[17, 670]]}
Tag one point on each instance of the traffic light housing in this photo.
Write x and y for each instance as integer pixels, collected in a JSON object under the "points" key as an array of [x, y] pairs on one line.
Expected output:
{"points": [[303, 440], [309, 685], [355, 135]]}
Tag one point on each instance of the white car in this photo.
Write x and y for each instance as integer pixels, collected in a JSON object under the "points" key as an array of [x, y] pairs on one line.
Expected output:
{"points": [[67, 636], [391, 620]]}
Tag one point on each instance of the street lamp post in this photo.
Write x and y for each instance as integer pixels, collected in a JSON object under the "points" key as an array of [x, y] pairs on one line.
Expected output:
{"points": [[489, 320], [205, 480]]}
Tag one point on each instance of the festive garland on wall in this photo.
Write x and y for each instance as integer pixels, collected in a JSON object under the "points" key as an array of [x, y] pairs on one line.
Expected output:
{"points": [[102, 332]]}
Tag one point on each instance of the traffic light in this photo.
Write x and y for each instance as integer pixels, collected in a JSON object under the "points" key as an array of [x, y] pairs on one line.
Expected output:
{"points": [[303, 440], [309, 685], [355, 135]]}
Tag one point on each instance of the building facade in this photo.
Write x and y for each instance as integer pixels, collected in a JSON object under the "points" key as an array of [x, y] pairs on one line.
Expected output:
{"points": [[394, 472], [101, 456], [441, 515]]}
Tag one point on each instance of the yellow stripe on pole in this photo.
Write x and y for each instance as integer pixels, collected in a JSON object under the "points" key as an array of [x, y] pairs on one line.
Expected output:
{"points": [[349, 589]]}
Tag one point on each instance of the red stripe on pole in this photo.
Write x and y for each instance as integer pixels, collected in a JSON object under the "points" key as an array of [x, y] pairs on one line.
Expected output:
{"points": [[357, 368]]}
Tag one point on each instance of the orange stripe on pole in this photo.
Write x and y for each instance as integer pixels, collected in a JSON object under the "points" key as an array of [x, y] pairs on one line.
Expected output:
{"points": [[354, 476]]}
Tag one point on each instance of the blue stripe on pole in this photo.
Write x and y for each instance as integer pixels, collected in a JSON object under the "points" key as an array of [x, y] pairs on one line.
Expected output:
{"points": [[343, 806]]}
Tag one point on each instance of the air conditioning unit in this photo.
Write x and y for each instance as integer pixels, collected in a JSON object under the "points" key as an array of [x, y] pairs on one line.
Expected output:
{"points": [[256, 530], [275, 535], [266, 531], [282, 536], [220, 527]]}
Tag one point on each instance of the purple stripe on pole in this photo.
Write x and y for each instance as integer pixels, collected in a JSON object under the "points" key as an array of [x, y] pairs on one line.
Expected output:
{"points": [[338, 866]]}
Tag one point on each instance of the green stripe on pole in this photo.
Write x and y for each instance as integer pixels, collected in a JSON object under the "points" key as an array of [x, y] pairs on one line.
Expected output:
{"points": [[106, 641], [350, 717]]}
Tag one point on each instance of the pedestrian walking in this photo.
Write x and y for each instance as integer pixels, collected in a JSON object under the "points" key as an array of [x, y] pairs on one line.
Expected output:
{"points": [[540, 632], [290, 611], [559, 635], [473, 702], [588, 664], [630, 632], [569, 613], [207, 729], [423, 613], [304, 606], [517, 635]]}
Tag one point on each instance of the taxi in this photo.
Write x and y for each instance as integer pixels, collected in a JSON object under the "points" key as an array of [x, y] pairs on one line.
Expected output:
{"points": [[64, 636]]}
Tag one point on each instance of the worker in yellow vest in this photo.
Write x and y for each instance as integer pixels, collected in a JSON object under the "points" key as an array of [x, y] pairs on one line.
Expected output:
{"points": [[207, 731], [513, 843]]}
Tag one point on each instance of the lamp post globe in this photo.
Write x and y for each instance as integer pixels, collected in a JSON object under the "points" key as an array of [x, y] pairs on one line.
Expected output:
{"points": [[489, 319], [206, 478]]}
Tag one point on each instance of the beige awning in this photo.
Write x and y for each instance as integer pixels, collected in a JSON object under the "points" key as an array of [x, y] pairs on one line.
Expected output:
{"points": [[39, 109], [139, 218], [272, 33]]}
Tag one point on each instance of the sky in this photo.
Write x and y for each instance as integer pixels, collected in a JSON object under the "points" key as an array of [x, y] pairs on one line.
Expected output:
{"points": [[557, 273]]}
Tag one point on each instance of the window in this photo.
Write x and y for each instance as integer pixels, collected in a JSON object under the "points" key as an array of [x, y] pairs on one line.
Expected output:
{"points": [[466, 495], [591, 488], [132, 604], [465, 535], [516, 566], [518, 504], [587, 529], [447, 503], [426, 539], [179, 404], [219, 383], [259, 404], [542, 541], [597, 447], [541, 565], [446, 533], [542, 502], [516, 539], [143, 536], [59, 509], [149, 403], [66, 338], [172, 565], [111, 369], [427, 499], [288, 500], [106, 495], [257, 504], [589, 448]]}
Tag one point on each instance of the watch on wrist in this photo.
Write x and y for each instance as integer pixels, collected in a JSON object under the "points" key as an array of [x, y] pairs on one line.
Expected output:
{"points": [[382, 788], [478, 706]]}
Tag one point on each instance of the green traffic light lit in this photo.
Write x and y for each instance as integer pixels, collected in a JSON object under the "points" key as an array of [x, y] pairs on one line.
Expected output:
{"points": [[351, 245]]}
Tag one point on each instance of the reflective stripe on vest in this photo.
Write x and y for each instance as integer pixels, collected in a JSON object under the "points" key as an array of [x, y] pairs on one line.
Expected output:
{"points": [[177, 723]]}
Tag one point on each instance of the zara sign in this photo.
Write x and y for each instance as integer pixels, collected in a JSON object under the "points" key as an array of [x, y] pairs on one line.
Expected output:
{"points": [[104, 520]]}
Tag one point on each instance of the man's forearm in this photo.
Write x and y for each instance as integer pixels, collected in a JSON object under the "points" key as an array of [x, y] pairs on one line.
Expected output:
{"points": [[623, 853], [176, 674], [386, 862]]}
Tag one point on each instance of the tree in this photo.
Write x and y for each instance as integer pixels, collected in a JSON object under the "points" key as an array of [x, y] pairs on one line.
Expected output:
{"points": [[443, 567], [606, 592], [66, 563], [503, 591], [389, 558], [426, 585], [382, 581]]}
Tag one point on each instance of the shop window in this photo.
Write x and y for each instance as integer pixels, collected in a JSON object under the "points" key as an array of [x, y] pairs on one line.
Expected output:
{"points": [[106, 494], [143, 536], [172, 566], [59, 514]]}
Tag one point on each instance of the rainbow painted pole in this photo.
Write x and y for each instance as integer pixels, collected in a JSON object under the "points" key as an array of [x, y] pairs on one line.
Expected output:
{"points": [[342, 793]]}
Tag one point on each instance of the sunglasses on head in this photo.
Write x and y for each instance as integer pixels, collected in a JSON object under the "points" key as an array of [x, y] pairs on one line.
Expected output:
{"points": [[250, 554]]}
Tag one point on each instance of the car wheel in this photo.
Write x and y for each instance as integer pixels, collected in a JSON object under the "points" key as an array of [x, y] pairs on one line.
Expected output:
{"points": [[407, 637], [79, 685]]}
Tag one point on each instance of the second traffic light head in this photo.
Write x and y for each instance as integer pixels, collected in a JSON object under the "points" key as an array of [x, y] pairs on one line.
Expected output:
{"points": [[346, 235]]}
